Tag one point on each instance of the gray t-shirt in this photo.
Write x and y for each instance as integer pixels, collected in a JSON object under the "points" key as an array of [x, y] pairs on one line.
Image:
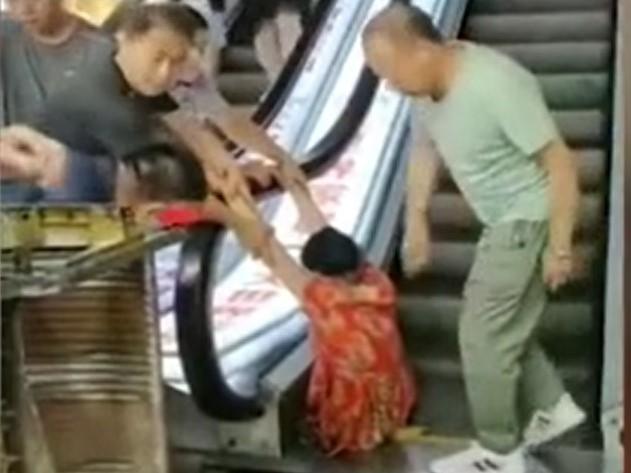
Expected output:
{"points": [[489, 129], [97, 113], [30, 71]]}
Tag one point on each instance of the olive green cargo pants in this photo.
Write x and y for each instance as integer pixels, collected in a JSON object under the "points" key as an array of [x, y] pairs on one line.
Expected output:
{"points": [[507, 374]]}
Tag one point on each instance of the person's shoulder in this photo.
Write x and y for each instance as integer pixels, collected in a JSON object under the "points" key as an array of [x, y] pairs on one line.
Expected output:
{"points": [[495, 66], [96, 40]]}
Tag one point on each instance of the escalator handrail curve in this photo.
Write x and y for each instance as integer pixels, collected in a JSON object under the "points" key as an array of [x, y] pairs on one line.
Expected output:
{"points": [[202, 370]]}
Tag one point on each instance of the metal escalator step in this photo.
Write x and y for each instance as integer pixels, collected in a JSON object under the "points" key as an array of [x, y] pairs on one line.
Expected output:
{"points": [[583, 128], [242, 88], [539, 27], [239, 58], [430, 326], [575, 91], [517, 6], [450, 213], [444, 408], [591, 169], [566, 57], [453, 260]]}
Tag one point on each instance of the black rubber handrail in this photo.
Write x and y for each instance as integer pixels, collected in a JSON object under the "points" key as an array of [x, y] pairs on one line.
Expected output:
{"points": [[202, 369], [209, 389]]}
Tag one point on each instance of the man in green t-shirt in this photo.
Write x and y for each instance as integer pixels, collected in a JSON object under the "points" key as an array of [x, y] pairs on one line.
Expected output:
{"points": [[485, 116]]}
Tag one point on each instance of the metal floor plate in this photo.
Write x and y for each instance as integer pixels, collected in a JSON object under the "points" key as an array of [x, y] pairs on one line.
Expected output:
{"points": [[396, 459]]}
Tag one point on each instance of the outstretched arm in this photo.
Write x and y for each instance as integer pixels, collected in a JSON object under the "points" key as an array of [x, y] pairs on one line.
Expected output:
{"points": [[220, 170], [243, 131]]}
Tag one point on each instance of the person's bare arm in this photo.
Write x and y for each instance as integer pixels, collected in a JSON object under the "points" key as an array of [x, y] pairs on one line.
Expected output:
{"points": [[560, 164], [220, 169], [243, 131], [422, 172], [258, 238]]}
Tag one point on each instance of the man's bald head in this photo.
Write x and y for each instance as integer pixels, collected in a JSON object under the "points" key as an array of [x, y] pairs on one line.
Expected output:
{"points": [[402, 46], [402, 24]]}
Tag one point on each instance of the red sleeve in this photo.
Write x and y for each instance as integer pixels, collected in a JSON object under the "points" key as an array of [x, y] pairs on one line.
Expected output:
{"points": [[373, 276], [322, 294]]}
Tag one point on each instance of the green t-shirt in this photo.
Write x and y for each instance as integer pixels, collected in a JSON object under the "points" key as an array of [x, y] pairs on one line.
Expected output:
{"points": [[489, 129]]}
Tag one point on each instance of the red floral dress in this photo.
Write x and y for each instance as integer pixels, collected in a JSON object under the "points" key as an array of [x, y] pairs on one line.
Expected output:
{"points": [[361, 390]]}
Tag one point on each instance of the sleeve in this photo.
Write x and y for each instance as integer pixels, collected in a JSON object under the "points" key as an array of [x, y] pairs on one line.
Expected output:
{"points": [[517, 101], [324, 294], [383, 286]]}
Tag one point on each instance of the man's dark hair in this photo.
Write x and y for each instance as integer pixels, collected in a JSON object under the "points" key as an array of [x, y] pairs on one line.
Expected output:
{"points": [[331, 253], [137, 19], [412, 19], [167, 172]]}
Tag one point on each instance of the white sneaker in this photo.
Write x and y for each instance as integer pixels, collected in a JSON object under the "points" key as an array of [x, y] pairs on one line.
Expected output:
{"points": [[550, 424], [480, 460]]}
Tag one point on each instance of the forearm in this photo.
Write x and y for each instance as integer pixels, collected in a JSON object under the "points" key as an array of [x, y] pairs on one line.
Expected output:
{"points": [[247, 134], [275, 256], [564, 196], [206, 147], [421, 182], [312, 218]]}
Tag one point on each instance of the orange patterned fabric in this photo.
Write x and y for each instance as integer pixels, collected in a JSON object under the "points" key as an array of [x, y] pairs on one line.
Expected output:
{"points": [[361, 390]]}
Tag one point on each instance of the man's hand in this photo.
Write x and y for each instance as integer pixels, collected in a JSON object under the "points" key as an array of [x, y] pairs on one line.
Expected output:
{"points": [[416, 250], [260, 173], [558, 269], [28, 155], [230, 182]]}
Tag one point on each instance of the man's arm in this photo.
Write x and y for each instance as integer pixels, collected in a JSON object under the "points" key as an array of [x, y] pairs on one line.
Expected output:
{"points": [[422, 175], [221, 172], [243, 131], [560, 164]]}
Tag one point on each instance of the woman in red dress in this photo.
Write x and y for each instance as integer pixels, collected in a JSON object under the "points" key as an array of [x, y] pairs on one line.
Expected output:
{"points": [[361, 391]]}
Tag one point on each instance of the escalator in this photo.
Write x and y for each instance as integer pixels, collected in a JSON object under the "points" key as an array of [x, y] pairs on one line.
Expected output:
{"points": [[242, 81], [568, 45]]}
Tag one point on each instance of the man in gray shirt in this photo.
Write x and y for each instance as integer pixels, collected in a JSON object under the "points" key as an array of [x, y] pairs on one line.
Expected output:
{"points": [[42, 47]]}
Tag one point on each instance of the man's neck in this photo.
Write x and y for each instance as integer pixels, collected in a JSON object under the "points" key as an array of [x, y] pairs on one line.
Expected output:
{"points": [[58, 30], [447, 71]]}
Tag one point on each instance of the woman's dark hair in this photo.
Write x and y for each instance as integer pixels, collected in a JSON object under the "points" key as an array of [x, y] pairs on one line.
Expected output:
{"points": [[331, 253], [167, 172], [136, 19]]}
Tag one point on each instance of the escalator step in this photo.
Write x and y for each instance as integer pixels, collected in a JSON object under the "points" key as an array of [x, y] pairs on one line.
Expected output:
{"points": [[539, 27], [583, 128], [449, 213], [242, 88], [444, 408], [453, 260], [591, 168], [575, 91], [239, 58], [528, 6], [430, 326], [588, 56]]}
